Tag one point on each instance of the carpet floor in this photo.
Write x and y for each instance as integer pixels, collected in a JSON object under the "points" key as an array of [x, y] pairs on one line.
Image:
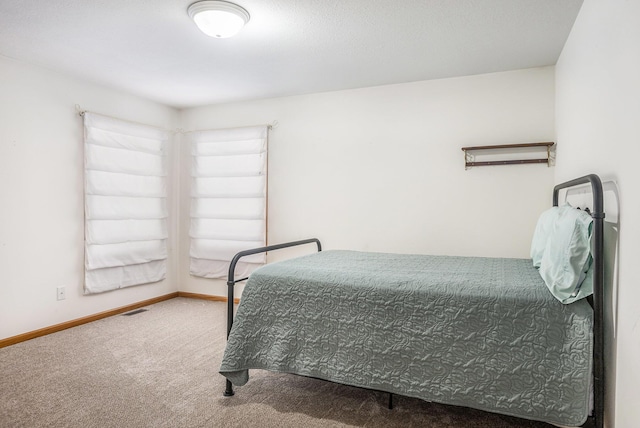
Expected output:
{"points": [[159, 368]]}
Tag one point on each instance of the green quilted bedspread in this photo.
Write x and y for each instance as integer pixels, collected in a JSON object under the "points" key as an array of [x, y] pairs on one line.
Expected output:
{"points": [[476, 332]]}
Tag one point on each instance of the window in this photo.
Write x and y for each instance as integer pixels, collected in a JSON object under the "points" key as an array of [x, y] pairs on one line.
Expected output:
{"points": [[125, 203], [228, 199]]}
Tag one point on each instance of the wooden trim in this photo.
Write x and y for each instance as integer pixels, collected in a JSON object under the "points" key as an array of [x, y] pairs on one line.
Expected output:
{"points": [[206, 297], [84, 320]]}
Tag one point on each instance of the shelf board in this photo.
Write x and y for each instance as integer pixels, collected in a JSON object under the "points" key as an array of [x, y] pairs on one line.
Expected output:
{"points": [[509, 146]]}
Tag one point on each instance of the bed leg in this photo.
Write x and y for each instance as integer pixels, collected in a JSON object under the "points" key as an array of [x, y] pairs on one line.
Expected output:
{"points": [[390, 401], [228, 392]]}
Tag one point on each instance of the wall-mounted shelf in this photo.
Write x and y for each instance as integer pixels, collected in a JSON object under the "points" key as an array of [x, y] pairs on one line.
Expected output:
{"points": [[469, 162]]}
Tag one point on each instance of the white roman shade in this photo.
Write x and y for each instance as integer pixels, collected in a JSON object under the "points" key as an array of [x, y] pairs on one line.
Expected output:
{"points": [[125, 203], [228, 199]]}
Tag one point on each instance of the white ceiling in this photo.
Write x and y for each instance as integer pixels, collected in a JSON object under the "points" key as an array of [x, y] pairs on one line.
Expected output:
{"points": [[151, 48]]}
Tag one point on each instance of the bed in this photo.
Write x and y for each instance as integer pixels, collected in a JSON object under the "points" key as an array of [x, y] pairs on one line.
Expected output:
{"points": [[477, 332]]}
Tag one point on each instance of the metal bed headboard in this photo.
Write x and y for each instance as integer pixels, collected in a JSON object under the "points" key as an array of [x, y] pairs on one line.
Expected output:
{"points": [[597, 213]]}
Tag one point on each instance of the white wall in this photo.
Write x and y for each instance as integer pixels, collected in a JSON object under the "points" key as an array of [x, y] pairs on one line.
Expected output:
{"points": [[598, 129], [381, 169], [376, 169], [41, 205]]}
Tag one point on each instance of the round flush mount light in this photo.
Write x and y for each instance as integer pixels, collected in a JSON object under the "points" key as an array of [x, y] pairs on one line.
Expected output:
{"points": [[218, 19]]}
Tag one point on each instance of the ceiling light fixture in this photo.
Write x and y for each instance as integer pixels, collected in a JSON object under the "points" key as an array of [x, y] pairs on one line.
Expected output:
{"points": [[218, 19]]}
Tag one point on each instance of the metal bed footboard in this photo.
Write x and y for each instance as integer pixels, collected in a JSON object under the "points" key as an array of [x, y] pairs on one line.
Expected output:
{"points": [[598, 288], [231, 282]]}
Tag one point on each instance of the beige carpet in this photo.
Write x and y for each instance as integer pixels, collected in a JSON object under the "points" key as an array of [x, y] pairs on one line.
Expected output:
{"points": [[159, 369]]}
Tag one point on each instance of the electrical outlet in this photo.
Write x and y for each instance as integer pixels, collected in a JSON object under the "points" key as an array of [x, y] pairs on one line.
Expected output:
{"points": [[61, 293]]}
